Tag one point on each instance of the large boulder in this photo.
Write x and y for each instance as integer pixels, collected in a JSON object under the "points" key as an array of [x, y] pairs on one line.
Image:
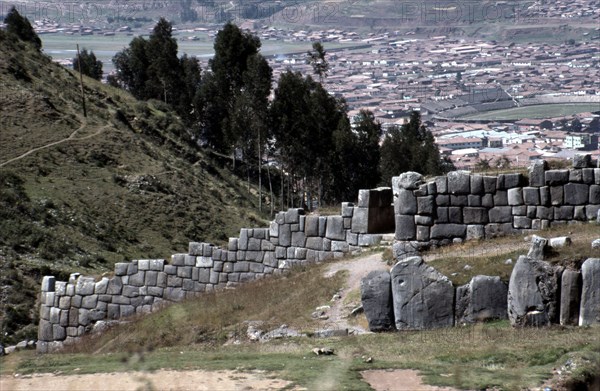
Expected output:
{"points": [[483, 298], [570, 294], [533, 293], [376, 297], [589, 312], [423, 297], [538, 247]]}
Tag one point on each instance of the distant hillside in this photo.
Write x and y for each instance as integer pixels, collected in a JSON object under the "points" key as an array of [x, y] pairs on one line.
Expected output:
{"points": [[78, 194]]}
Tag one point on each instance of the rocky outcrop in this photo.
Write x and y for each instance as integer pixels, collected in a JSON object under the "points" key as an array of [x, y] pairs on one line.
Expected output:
{"points": [[423, 297], [376, 298], [589, 312], [533, 293], [483, 298]]}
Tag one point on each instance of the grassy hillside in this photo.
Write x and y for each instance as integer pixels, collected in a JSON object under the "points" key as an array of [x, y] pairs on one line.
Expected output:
{"points": [[78, 194]]}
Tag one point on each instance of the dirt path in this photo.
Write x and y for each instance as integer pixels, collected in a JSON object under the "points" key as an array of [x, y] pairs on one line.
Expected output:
{"points": [[70, 138], [398, 380], [357, 268], [136, 381]]}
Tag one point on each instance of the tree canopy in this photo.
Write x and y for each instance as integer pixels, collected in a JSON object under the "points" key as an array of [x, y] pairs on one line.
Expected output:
{"points": [[90, 65], [20, 26]]}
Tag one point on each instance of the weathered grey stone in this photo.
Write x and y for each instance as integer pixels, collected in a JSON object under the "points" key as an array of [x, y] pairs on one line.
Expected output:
{"points": [[533, 293], [459, 200], [475, 215], [59, 333], [189, 260], [531, 196], [347, 209], [521, 222], [537, 173], [101, 286], [582, 161], [515, 196], [285, 235], [575, 176], [423, 233], [254, 244], [204, 262], [576, 194], [459, 182], [594, 194], [48, 284], [132, 268], [589, 312], [335, 228], [425, 205], [322, 226], [360, 220], [243, 239], [405, 227], [407, 180], [442, 200], [483, 298], [311, 226], [557, 177], [501, 198], [500, 214], [194, 248], [545, 196], [423, 298], [448, 231], [477, 184], [314, 243], [537, 248], [423, 220], [121, 269], [441, 184], [475, 232], [292, 216], [137, 279], [376, 298], [85, 286], [89, 302], [455, 215], [570, 294], [564, 213], [405, 202], [474, 200], [509, 181], [519, 210], [559, 242], [588, 175]]}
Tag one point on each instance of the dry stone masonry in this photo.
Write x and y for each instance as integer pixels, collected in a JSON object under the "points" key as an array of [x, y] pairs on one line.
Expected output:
{"points": [[464, 206], [456, 207], [70, 309]]}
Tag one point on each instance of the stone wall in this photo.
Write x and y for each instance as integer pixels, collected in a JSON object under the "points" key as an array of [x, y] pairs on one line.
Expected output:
{"points": [[71, 308], [463, 206]]}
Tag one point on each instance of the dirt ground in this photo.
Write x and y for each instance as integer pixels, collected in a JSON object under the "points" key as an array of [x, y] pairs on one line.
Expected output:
{"points": [[145, 381], [398, 380]]}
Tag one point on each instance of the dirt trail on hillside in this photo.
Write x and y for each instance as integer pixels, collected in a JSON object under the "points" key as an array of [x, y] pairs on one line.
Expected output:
{"points": [[71, 137]]}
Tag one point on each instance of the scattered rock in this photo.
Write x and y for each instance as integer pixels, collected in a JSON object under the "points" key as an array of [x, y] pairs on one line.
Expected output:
{"points": [[368, 360], [331, 333], [538, 245], [323, 351], [562, 241], [570, 295], [468, 267], [10, 349], [336, 297], [596, 244], [21, 345], [508, 262], [357, 310]]}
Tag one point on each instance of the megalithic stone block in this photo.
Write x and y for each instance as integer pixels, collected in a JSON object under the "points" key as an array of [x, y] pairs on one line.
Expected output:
{"points": [[589, 312], [423, 297], [376, 298]]}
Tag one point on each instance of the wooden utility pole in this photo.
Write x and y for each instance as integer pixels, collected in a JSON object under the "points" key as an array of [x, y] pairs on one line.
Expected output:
{"points": [[81, 82]]}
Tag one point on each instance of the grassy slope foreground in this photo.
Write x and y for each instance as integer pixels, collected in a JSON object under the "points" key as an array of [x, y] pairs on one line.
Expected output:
{"points": [[78, 194], [210, 333]]}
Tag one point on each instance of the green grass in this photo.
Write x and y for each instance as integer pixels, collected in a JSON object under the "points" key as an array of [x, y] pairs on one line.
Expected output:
{"points": [[537, 111]]}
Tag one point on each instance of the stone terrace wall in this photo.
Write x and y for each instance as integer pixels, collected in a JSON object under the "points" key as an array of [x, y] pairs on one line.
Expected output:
{"points": [[70, 309], [461, 206]]}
